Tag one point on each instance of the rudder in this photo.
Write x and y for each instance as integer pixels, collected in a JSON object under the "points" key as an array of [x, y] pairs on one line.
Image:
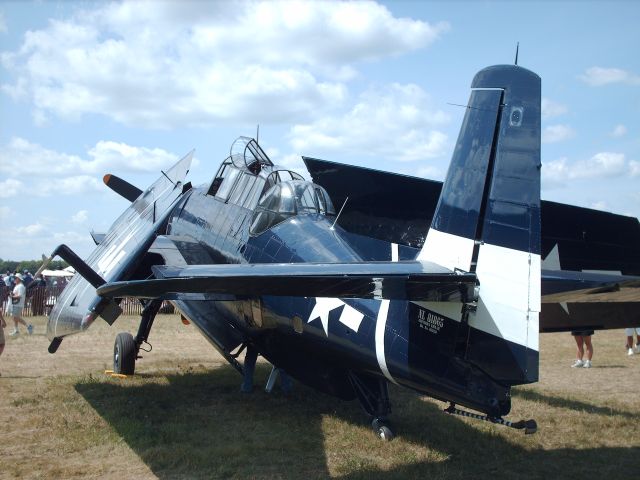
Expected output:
{"points": [[488, 220]]}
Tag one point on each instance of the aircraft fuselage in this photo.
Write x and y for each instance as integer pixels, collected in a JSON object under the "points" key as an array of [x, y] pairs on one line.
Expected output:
{"points": [[323, 341]]}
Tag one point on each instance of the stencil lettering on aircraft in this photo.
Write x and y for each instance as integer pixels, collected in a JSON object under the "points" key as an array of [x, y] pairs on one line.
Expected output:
{"points": [[430, 321]]}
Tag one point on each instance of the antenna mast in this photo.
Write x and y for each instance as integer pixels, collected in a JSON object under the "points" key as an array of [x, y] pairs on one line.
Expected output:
{"points": [[517, 48]]}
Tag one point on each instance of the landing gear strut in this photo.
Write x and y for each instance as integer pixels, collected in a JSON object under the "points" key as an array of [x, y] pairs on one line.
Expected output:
{"points": [[374, 398], [127, 348]]}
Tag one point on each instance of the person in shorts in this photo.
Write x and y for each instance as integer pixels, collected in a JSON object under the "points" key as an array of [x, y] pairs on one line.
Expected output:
{"points": [[583, 339], [18, 297], [629, 333]]}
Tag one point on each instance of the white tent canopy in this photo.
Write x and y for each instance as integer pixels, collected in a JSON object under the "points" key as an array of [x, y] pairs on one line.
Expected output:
{"points": [[57, 273]]}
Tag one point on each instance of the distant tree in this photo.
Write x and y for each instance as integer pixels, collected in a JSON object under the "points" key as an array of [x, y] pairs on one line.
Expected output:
{"points": [[31, 265]]}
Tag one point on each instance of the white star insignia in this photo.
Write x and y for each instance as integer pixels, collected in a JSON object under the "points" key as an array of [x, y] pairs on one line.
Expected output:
{"points": [[349, 316]]}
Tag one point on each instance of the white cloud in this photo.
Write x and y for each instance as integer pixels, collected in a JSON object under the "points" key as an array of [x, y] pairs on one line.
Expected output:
{"points": [[293, 162], [10, 188], [607, 164], [601, 205], [71, 237], [430, 172], [557, 133], [619, 131], [38, 237], [80, 216], [23, 158], [552, 109], [598, 76], [5, 213], [33, 230], [604, 164], [396, 122], [74, 185], [112, 155], [165, 64]]}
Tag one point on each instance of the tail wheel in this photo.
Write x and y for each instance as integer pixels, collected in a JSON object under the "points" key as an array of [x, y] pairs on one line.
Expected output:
{"points": [[124, 354]]}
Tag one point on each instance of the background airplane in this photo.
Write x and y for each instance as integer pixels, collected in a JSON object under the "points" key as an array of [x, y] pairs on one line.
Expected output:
{"points": [[259, 257]]}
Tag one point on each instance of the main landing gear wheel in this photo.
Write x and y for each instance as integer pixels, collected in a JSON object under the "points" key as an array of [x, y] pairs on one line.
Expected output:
{"points": [[382, 429], [124, 354]]}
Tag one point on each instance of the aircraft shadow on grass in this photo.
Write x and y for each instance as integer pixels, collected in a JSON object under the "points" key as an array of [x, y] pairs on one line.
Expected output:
{"points": [[198, 425], [560, 402]]}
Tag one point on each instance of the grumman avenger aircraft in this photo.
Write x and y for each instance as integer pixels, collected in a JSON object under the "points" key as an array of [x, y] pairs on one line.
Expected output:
{"points": [[258, 258]]}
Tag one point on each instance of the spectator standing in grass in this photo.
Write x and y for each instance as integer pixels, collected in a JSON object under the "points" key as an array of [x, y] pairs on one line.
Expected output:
{"points": [[38, 287], [18, 297], [8, 284], [4, 292], [3, 325], [583, 339], [629, 333], [8, 279]]}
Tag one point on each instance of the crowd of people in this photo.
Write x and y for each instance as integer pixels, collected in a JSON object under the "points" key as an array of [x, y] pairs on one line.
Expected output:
{"points": [[16, 299], [35, 291], [16, 286]]}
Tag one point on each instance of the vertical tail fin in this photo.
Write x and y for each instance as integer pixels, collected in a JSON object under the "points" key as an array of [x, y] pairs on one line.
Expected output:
{"points": [[488, 219]]}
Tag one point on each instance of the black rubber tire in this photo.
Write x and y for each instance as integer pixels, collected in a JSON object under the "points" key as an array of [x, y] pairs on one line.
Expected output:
{"points": [[124, 354], [385, 433], [382, 429]]}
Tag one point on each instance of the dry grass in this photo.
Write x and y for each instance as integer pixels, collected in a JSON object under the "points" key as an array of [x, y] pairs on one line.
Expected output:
{"points": [[182, 416]]}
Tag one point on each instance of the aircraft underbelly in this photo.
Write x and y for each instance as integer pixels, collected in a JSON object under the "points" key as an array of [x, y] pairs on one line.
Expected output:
{"points": [[216, 321]]}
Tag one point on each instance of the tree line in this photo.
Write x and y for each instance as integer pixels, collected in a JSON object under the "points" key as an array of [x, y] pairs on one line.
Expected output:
{"points": [[31, 265]]}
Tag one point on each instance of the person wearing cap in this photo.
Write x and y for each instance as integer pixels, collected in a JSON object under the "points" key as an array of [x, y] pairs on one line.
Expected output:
{"points": [[18, 297], [27, 278]]}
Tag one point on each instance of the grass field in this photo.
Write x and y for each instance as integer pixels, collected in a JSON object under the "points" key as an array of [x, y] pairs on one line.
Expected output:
{"points": [[182, 416]]}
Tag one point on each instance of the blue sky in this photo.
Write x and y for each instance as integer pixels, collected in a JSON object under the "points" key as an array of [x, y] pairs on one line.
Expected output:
{"points": [[88, 88]]}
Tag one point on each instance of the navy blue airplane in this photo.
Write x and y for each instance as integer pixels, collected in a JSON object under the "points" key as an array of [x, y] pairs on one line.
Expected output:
{"points": [[259, 258]]}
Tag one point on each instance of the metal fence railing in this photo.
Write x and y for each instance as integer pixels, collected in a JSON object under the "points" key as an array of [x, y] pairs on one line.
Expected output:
{"points": [[40, 301]]}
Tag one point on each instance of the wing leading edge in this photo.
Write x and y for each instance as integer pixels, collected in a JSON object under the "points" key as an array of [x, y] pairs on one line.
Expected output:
{"points": [[380, 280]]}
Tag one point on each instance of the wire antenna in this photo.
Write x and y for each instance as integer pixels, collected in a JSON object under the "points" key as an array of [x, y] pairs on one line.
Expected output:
{"points": [[517, 48], [338, 216]]}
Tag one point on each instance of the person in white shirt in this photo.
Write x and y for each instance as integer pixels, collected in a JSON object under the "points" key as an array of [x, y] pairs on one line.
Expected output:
{"points": [[18, 297]]}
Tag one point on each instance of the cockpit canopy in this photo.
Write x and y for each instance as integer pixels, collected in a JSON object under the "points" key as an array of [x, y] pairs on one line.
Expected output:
{"points": [[289, 198], [246, 174], [249, 179]]}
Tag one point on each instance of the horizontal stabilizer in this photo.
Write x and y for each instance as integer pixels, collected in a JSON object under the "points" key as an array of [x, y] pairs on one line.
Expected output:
{"points": [[388, 280], [121, 187]]}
